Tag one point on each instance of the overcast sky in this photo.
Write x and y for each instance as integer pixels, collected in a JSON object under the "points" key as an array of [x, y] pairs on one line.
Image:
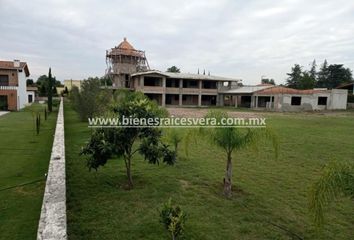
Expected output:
{"points": [[231, 38]]}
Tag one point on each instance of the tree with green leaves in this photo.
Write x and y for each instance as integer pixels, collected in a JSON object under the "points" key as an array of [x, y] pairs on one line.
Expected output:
{"points": [[125, 142], [331, 76], [231, 139], [294, 77], [173, 219], [50, 91], [29, 82], [313, 71], [306, 81], [91, 100], [336, 180], [173, 69]]}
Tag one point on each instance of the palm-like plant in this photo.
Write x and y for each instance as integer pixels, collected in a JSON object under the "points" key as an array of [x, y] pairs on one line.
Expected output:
{"points": [[337, 179], [231, 138]]}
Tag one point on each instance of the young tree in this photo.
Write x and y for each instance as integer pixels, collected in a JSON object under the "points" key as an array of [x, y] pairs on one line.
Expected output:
{"points": [[306, 81], [173, 69], [294, 77], [230, 139], [50, 90], [121, 142], [173, 219], [337, 179]]}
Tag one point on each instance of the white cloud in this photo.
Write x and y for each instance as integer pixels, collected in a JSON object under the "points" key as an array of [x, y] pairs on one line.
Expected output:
{"points": [[245, 39]]}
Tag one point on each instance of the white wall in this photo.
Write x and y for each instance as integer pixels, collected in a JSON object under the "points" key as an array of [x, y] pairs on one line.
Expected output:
{"points": [[336, 100], [339, 98], [22, 99]]}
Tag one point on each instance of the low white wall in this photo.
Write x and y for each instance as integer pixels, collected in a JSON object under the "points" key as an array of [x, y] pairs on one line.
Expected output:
{"points": [[52, 223]]}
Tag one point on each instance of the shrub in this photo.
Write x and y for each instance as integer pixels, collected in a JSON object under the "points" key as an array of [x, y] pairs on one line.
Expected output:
{"points": [[173, 218], [91, 100]]}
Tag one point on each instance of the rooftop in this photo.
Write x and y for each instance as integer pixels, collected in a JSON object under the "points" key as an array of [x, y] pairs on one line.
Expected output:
{"points": [[10, 65], [125, 48], [186, 76], [247, 89], [285, 90]]}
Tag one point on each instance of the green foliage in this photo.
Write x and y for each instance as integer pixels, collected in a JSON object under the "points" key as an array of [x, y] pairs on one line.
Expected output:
{"points": [[29, 82], [331, 76], [98, 150], [231, 138], [300, 79], [337, 179], [106, 81], [120, 142], [174, 137], [173, 219], [91, 100], [43, 85], [174, 69]]}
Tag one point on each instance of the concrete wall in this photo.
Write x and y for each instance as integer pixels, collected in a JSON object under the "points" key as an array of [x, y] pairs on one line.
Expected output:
{"points": [[336, 100], [339, 99], [52, 223], [22, 99]]}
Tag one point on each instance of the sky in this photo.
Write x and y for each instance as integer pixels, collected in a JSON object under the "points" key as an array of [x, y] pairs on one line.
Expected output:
{"points": [[230, 38]]}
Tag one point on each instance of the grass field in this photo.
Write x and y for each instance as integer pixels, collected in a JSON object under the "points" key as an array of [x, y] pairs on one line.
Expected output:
{"points": [[24, 158], [269, 201]]}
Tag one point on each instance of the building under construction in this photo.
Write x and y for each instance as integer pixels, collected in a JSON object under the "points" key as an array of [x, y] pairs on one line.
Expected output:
{"points": [[128, 68], [123, 61]]}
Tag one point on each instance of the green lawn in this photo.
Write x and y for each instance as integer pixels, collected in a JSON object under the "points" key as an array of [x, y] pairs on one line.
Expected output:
{"points": [[24, 158], [270, 195]]}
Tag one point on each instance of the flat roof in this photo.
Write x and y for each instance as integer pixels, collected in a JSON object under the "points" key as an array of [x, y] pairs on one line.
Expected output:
{"points": [[247, 89], [187, 76]]}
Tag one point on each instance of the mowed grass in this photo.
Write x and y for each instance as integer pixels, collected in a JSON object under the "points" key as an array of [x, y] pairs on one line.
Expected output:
{"points": [[269, 199], [24, 158]]}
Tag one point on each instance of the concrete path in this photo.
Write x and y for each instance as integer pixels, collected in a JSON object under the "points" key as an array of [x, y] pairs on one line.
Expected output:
{"points": [[3, 113]]}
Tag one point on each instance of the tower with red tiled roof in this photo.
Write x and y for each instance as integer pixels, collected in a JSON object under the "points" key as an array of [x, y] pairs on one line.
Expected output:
{"points": [[122, 61]]}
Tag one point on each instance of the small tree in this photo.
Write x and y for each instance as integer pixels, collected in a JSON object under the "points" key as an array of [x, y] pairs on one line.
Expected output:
{"points": [[109, 142], [230, 139], [50, 90], [174, 137], [337, 179], [173, 218], [174, 69]]}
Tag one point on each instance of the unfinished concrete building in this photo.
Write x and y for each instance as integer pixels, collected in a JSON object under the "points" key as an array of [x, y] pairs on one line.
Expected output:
{"points": [[277, 98], [123, 61], [128, 68]]}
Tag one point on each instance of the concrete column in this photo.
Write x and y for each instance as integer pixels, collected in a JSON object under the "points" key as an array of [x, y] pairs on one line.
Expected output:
{"points": [[220, 100], [200, 93], [236, 101], [180, 92], [141, 82], [252, 101], [163, 91], [256, 101]]}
